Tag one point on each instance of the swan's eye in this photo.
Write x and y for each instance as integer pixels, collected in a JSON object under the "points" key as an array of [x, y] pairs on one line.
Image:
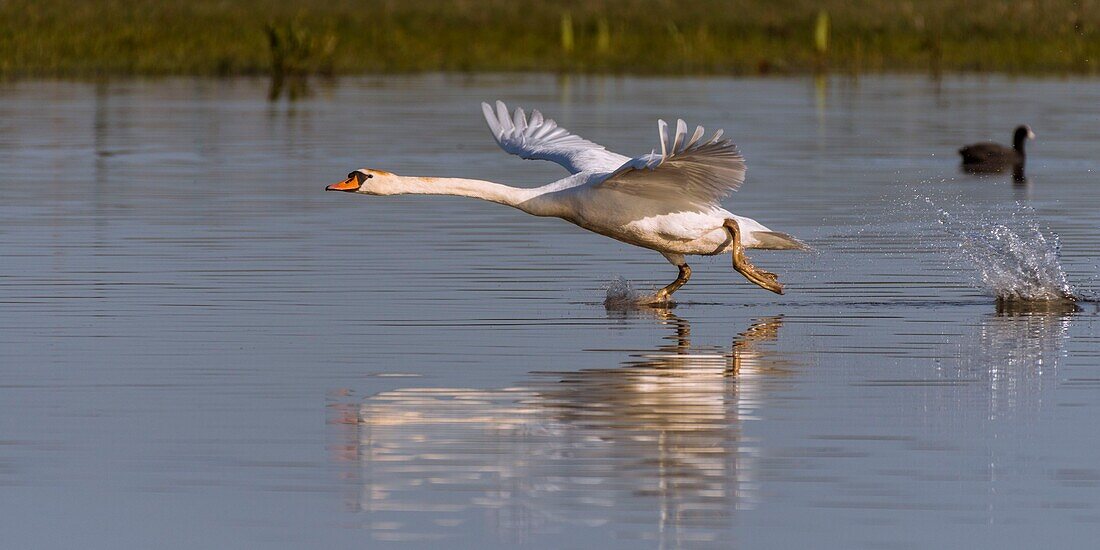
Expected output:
{"points": [[369, 176]]}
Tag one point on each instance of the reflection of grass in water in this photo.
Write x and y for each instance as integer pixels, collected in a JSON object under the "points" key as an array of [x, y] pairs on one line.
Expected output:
{"points": [[636, 36]]}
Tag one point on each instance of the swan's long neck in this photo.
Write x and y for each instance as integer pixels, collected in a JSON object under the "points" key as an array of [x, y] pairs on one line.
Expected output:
{"points": [[516, 197]]}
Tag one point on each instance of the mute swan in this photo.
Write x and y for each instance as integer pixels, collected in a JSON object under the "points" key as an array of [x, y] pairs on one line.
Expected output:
{"points": [[666, 201]]}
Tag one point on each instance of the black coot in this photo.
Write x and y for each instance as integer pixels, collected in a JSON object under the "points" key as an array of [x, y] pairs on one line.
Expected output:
{"points": [[988, 157]]}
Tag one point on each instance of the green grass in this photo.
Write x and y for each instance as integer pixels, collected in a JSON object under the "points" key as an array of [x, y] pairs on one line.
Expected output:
{"points": [[223, 37]]}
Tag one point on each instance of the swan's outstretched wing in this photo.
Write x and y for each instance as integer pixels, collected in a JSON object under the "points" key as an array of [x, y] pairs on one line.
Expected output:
{"points": [[700, 172], [541, 138]]}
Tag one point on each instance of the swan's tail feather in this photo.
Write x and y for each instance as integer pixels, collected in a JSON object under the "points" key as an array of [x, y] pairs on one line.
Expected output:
{"points": [[776, 240]]}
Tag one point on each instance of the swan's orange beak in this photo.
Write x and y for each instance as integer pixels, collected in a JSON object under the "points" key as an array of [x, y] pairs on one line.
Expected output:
{"points": [[349, 185]]}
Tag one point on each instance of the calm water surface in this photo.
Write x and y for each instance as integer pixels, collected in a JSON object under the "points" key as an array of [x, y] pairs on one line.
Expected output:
{"points": [[201, 349]]}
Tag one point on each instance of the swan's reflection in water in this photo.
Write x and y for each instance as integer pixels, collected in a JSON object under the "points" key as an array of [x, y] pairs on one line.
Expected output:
{"points": [[651, 448]]}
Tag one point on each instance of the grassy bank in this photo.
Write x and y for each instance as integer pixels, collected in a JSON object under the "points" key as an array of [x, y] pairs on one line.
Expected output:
{"points": [[220, 37]]}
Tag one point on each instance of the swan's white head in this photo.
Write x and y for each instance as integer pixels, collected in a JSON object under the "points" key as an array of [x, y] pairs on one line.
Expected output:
{"points": [[369, 182]]}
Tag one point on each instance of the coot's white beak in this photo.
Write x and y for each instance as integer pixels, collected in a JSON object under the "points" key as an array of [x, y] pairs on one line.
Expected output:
{"points": [[1030, 134]]}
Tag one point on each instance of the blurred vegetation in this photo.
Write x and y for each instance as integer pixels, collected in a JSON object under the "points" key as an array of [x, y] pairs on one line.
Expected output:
{"points": [[295, 54], [294, 37]]}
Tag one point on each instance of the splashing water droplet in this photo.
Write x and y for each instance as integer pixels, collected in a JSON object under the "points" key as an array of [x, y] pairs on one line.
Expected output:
{"points": [[621, 295], [1014, 259]]}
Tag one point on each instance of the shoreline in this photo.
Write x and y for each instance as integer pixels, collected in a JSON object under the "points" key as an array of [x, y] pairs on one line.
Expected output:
{"points": [[322, 81], [284, 38]]}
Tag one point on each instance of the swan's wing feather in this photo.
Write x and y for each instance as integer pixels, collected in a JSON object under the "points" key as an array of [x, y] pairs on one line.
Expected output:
{"points": [[541, 138], [693, 170]]}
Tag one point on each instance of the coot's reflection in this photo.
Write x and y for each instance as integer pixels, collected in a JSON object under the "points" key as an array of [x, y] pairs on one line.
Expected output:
{"points": [[653, 445]]}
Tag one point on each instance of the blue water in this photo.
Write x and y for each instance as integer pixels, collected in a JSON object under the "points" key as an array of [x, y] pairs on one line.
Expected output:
{"points": [[200, 348]]}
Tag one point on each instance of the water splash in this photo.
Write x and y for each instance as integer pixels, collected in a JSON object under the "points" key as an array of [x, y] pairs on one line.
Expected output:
{"points": [[1013, 257], [621, 295]]}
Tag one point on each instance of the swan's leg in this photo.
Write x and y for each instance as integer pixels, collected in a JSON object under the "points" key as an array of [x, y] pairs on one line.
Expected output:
{"points": [[765, 279], [678, 260], [665, 293]]}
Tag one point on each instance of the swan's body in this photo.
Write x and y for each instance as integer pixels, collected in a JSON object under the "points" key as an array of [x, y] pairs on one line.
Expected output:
{"points": [[667, 201]]}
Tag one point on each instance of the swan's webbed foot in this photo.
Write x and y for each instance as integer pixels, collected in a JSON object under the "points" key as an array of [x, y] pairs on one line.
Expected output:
{"points": [[762, 278]]}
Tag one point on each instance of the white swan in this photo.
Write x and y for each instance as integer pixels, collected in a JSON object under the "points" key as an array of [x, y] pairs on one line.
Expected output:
{"points": [[667, 201]]}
